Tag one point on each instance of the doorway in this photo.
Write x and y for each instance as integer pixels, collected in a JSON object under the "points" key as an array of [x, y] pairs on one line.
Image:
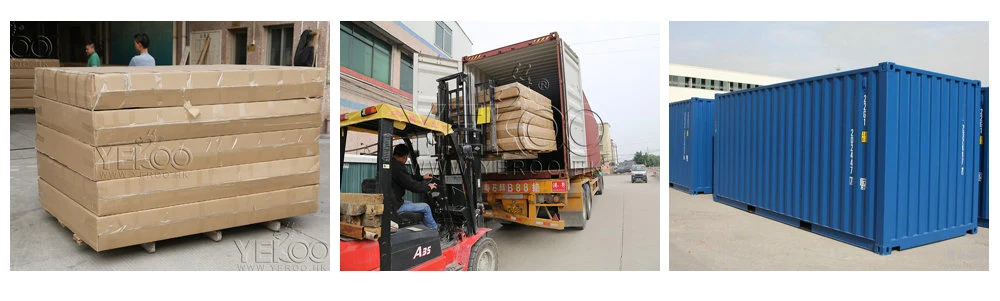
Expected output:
{"points": [[239, 48]]}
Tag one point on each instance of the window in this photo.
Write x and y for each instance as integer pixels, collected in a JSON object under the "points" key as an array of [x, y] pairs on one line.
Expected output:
{"points": [[677, 81], [364, 53], [406, 74], [442, 37], [280, 47]]}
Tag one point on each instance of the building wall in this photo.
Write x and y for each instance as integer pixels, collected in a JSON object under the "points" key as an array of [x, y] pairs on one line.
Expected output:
{"points": [[679, 93], [406, 38], [461, 45], [607, 150], [257, 36]]}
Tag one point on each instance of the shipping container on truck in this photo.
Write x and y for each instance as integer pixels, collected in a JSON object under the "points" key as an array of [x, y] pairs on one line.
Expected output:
{"points": [[550, 190]]}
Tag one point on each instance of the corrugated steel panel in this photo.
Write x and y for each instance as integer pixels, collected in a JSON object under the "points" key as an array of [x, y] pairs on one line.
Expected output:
{"points": [[984, 200], [882, 157], [691, 134]]}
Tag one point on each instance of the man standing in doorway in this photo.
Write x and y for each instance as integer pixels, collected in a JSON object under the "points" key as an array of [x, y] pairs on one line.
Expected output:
{"points": [[142, 46], [93, 60]]}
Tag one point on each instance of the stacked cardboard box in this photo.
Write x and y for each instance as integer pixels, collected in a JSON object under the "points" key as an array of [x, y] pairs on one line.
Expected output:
{"points": [[135, 155], [524, 120], [361, 215], [22, 80]]}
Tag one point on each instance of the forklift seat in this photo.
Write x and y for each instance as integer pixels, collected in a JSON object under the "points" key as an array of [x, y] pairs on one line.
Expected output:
{"points": [[407, 219]]}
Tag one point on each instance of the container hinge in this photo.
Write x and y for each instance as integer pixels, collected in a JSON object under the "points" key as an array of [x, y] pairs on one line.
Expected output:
{"points": [[862, 183]]}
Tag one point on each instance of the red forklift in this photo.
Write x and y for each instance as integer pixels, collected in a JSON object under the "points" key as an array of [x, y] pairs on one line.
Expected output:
{"points": [[460, 243]]}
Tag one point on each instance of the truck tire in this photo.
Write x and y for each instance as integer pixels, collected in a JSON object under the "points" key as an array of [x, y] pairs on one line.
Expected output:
{"points": [[484, 255], [588, 201]]}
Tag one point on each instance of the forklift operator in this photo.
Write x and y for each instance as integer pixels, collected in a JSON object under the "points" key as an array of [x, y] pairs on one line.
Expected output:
{"points": [[401, 179]]}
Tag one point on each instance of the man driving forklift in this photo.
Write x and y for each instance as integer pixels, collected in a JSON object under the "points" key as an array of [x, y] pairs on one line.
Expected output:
{"points": [[403, 180]]}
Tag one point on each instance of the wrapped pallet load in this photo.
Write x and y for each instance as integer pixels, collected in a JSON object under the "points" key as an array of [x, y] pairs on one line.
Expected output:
{"points": [[128, 156], [22, 80]]}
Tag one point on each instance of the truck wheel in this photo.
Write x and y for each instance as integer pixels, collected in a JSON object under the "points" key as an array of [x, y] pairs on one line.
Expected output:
{"points": [[587, 201], [484, 255]]}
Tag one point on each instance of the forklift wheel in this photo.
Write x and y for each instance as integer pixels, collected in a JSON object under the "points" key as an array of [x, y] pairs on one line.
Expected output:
{"points": [[484, 255]]}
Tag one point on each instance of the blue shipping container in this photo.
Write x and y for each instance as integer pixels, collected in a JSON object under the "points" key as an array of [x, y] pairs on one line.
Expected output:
{"points": [[984, 200], [691, 145], [882, 158]]}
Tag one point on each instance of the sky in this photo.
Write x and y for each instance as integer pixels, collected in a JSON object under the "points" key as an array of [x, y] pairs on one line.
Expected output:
{"points": [[804, 49], [620, 65]]}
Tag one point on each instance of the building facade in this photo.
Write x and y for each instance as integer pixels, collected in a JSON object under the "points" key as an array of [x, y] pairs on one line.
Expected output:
{"points": [[607, 145], [382, 62], [687, 82]]}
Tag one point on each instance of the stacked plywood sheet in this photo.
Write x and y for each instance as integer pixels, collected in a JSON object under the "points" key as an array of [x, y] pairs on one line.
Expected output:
{"points": [[129, 156], [361, 215], [22, 80]]}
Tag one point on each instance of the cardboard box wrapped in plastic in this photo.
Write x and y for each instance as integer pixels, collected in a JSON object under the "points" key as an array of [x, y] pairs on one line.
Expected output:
{"points": [[129, 156]]}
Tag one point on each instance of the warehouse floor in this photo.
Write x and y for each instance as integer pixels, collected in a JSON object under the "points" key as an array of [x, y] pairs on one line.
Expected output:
{"points": [[705, 235], [38, 242]]}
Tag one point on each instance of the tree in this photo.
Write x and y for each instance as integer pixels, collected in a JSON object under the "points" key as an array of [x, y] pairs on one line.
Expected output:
{"points": [[647, 159]]}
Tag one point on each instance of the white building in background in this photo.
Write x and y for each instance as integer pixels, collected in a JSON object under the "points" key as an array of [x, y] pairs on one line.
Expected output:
{"points": [[691, 81]]}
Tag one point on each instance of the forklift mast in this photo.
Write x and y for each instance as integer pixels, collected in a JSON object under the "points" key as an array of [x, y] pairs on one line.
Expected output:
{"points": [[465, 145]]}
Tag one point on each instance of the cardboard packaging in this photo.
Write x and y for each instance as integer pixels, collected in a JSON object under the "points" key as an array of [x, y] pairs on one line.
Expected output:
{"points": [[110, 88], [23, 83], [522, 130], [23, 74], [22, 103], [138, 159], [157, 190], [22, 80], [103, 128], [132, 228], [31, 64], [21, 93], [525, 144]]}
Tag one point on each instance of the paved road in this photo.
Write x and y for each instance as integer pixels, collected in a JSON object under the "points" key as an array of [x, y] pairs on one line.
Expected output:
{"points": [[39, 243], [705, 235], [623, 234]]}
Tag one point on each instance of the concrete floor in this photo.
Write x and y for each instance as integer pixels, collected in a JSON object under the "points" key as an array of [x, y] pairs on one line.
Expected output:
{"points": [[705, 235], [39, 243], [623, 234]]}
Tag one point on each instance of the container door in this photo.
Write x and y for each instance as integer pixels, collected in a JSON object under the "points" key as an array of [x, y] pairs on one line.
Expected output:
{"points": [[427, 69], [577, 128]]}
